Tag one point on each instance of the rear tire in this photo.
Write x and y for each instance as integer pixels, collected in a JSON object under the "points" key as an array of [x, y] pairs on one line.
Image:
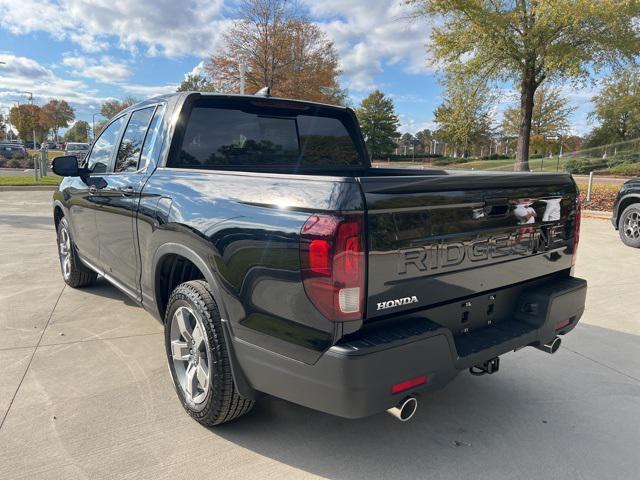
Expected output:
{"points": [[198, 356], [74, 273], [629, 226]]}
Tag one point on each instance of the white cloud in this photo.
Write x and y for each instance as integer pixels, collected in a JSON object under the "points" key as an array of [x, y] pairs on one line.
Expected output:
{"points": [[372, 34], [411, 125], [109, 71], [105, 69], [147, 91], [369, 34], [162, 27], [197, 70], [22, 74]]}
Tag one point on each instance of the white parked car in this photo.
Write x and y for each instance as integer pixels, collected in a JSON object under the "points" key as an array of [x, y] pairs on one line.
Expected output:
{"points": [[79, 150]]}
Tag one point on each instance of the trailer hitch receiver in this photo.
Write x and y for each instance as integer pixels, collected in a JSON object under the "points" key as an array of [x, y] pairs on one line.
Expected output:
{"points": [[486, 368]]}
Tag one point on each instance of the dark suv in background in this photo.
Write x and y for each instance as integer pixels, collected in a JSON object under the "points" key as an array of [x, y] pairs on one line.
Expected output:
{"points": [[626, 213], [12, 150]]}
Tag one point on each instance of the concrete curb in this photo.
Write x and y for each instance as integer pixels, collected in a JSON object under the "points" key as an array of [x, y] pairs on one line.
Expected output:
{"points": [[596, 214], [26, 188]]}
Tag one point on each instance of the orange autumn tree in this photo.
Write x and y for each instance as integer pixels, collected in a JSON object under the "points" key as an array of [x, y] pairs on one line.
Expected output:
{"points": [[282, 49]]}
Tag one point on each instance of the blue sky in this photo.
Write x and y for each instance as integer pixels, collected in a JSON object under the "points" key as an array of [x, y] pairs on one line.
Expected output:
{"points": [[89, 51]]}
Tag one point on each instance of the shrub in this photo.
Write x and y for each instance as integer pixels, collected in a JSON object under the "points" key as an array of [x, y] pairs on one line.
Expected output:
{"points": [[579, 165], [448, 161], [626, 169]]}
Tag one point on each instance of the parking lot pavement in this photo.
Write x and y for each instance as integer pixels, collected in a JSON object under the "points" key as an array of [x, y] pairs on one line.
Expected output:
{"points": [[87, 394]]}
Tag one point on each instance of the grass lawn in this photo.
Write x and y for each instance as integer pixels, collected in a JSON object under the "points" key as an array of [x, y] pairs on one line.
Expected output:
{"points": [[536, 165], [28, 180], [52, 153]]}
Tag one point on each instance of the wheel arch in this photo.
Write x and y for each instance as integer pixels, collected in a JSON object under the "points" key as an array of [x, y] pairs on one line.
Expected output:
{"points": [[171, 252], [58, 213], [624, 203]]}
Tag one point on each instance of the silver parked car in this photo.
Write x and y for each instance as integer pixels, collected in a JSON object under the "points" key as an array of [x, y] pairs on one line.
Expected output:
{"points": [[79, 150]]}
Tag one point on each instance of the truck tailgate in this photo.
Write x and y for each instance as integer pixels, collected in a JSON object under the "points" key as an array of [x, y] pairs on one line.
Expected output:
{"points": [[441, 237]]}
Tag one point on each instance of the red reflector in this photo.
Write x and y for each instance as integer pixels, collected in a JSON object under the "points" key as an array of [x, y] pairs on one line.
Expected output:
{"points": [[409, 384], [563, 323]]}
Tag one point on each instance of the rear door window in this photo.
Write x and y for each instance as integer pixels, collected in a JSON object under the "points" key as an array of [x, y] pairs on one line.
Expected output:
{"points": [[132, 140], [153, 140]]}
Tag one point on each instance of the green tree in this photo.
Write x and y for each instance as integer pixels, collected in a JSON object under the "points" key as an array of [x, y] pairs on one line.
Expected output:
{"points": [[56, 114], [424, 137], [196, 83], [463, 119], [408, 144], [617, 108], [532, 41], [379, 124], [550, 118], [79, 132]]}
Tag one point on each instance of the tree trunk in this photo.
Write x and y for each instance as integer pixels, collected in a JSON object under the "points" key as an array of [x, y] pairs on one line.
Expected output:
{"points": [[527, 90]]}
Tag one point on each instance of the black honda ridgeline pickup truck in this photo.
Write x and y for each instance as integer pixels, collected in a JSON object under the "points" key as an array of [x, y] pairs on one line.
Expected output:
{"points": [[281, 262]]}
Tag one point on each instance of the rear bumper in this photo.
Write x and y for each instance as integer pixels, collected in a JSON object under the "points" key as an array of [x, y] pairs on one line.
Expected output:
{"points": [[353, 379]]}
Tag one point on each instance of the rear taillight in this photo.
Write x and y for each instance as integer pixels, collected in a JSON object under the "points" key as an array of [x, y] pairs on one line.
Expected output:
{"points": [[333, 265], [576, 229]]}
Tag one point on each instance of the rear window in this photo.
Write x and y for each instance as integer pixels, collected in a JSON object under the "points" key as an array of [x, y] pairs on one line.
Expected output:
{"points": [[249, 135]]}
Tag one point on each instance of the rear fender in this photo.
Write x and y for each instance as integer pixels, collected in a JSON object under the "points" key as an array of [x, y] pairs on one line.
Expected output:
{"points": [[242, 385]]}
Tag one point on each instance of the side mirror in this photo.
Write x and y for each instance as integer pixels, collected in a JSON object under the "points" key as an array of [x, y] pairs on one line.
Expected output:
{"points": [[66, 166]]}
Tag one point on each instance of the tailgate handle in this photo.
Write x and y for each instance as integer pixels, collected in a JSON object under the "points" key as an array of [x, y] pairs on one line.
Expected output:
{"points": [[496, 207]]}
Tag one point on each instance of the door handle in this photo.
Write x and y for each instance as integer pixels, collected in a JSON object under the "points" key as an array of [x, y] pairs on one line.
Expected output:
{"points": [[93, 190], [126, 190]]}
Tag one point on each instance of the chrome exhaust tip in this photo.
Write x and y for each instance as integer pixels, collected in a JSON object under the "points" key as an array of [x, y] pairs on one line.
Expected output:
{"points": [[405, 409], [551, 347]]}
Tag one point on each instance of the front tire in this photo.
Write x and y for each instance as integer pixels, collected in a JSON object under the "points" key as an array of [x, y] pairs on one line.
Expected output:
{"points": [[198, 356], [74, 273], [629, 226]]}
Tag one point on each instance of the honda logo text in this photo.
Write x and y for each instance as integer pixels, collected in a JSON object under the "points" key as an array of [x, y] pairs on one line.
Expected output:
{"points": [[398, 302]]}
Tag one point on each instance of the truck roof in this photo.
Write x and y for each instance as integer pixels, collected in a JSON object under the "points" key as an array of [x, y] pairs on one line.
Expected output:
{"points": [[169, 96]]}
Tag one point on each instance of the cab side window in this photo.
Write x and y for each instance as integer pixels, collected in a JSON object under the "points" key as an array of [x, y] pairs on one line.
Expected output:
{"points": [[100, 155], [153, 142], [132, 141]]}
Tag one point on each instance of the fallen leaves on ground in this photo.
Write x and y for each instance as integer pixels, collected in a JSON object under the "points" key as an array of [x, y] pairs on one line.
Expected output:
{"points": [[602, 196]]}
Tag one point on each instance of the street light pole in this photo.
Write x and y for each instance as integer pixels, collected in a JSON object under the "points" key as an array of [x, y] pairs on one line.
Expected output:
{"points": [[35, 164], [242, 68]]}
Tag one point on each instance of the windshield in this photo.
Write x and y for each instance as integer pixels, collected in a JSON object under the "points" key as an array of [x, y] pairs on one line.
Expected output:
{"points": [[261, 133]]}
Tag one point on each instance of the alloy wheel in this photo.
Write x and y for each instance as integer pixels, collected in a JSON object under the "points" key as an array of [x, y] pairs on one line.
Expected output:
{"points": [[631, 226], [190, 354], [64, 245]]}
